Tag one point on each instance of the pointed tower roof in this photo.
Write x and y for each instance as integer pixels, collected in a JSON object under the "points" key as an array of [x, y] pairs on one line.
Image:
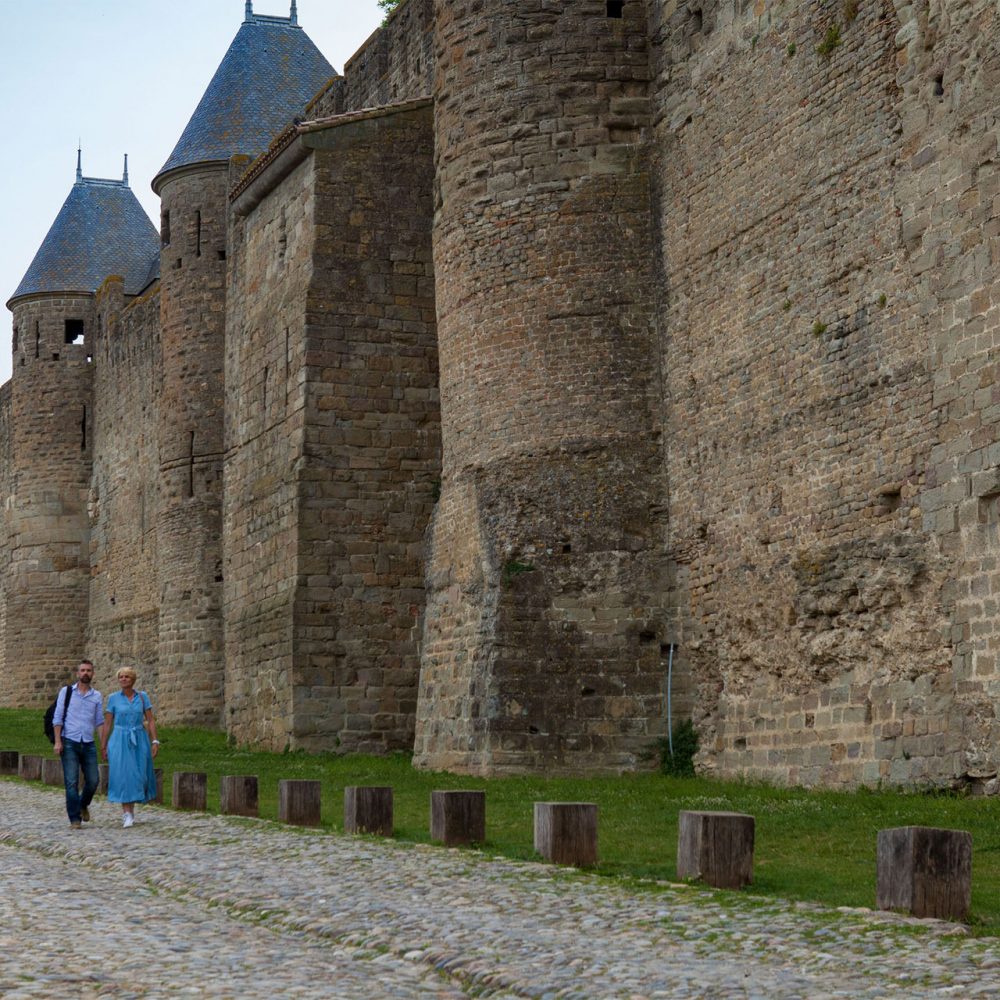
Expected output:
{"points": [[100, 230], [271, 71]]}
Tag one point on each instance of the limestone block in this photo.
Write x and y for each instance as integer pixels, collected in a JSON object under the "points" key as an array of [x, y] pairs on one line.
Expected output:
{"points": [[716, 847], [9, 761], [190, 790], [458, 817], [566, 832], [238, 795], [52, 771], [30, 767], [925, 871], [368, 809], [299, 802]]}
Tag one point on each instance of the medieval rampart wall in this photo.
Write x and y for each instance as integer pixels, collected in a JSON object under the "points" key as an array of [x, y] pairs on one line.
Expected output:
{"points": [[825, 302], [372, 434], [124, 592], [270, 272], [5, 475]]}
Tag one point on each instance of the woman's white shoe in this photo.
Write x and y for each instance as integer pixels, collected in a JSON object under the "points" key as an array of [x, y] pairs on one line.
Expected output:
{"points": [[127, 820]]}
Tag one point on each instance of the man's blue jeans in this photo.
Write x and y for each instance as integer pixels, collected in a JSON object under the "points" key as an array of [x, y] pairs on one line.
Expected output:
{"points": [[77, 756]]}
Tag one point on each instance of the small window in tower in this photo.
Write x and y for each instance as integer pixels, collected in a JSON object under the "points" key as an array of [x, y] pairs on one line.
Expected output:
{"points": [[74, 331], [616, 8], [165, 227], [197, 233], [15, 339]]}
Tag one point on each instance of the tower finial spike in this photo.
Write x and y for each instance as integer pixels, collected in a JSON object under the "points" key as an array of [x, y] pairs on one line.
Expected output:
{"points": [[294, 15], [79, 160], [249, 11], [125, 171]]}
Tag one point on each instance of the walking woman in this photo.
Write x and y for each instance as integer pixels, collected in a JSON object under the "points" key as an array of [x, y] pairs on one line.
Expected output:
{"points": [[129, 751]]}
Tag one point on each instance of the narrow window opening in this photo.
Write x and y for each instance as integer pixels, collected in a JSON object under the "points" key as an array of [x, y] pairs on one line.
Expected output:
{"points": [[74, 331], [142, 519], [15, 339], [177, 264], [197, 233], [165, 227], [266, 371], [83, 430], [288, 362], [616, 8], [90, 358], [696, 20], [282, 237], [222, 255], [55, 357], [38, 338], [939, 85], [190, 482]]}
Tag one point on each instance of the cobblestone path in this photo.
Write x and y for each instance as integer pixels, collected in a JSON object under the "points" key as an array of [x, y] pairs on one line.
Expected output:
{"points": [[196, 905]]}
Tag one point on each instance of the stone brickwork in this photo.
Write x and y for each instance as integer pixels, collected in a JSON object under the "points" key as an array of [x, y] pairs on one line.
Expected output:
{"points": [[46, 510], [544, 625], [712, 289], [123, 621], [190, 442], [332, 454]]}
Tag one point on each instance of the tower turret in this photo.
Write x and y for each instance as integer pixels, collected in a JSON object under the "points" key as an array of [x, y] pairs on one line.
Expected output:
{"points": [[100, 230], [267, 76], [545, 324]]}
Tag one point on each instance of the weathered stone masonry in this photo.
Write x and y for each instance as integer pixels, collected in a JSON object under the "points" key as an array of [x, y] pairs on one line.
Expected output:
{"points": [[711, 288]]}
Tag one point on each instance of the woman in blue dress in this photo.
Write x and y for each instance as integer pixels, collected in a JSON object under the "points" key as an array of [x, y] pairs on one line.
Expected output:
{"points": [[129, 751]]}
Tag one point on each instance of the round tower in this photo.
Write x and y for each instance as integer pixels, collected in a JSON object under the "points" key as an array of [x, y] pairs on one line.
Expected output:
{"points": [[100, 230], [542, 643], [266, 77]]}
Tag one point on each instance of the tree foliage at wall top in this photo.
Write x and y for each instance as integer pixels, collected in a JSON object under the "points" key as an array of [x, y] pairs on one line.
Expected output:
{"points": [[388, 6]]}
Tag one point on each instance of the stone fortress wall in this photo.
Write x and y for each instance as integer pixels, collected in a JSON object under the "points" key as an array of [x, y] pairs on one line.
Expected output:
{"points": [[711, 290]]}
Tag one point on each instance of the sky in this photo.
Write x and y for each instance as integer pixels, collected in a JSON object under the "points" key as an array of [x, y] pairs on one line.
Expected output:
{"points": [[120, 76]]}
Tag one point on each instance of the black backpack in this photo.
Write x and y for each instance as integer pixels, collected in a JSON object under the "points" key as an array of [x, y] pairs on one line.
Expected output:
{"points": [[50, 713]]}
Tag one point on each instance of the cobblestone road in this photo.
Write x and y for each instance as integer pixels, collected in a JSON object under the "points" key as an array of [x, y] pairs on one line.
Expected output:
{"points": [[196, 905]]}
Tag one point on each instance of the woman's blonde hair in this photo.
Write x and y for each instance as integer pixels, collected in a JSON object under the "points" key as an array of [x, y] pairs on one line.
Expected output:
{"points": [[127, 672]]}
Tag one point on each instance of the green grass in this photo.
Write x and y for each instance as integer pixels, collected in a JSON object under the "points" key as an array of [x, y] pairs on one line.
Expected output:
{"points": [[810, 845]]}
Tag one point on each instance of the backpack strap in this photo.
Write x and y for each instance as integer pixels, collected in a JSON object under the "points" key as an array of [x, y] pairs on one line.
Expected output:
{"points": [[66, 698]]}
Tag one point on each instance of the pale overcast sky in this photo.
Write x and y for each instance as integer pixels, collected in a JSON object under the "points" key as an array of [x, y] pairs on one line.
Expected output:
{"points": [[123, 76]]}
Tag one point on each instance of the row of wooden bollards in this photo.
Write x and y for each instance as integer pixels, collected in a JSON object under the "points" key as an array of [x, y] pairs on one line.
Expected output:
{"points": [[923, 871]]}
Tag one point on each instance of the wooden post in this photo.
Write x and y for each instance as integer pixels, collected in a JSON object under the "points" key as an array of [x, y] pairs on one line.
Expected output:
{"points": [[716, 847], [102, 784], [158, 774], [566, 832], [9, 762], [299, 802], [190, 790], [925, 871], [368, 809], [30, 767], [238, 795], [52, 771], [458, 817]]}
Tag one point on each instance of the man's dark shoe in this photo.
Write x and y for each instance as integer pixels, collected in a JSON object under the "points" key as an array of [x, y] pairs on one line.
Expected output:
{"points": [[85, 815], [76, 826]]}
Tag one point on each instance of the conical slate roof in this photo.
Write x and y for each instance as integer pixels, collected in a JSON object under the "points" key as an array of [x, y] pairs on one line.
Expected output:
{"points": [[271, 71], [100, 230]]}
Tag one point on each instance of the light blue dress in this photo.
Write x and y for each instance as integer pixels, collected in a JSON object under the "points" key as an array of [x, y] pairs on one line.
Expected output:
{"points": [[130, 756]]}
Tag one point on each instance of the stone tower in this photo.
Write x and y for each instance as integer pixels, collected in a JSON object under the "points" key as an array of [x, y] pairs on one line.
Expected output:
{"points": [[268, 74], [543, 635], [100, 230]]}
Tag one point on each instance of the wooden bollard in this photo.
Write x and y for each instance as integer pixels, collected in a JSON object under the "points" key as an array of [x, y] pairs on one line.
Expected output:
{"points": [[299, 802], [925, 871], [9, 762], [716, 847], [458, 817], [238, 795], [158, 774], [30, 767], [190, 790], [102, 781], [368, 809], [52, 771], [566, 832]]}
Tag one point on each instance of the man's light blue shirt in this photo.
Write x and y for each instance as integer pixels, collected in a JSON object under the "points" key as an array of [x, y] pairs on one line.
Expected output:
{"points": [[85, 715]]}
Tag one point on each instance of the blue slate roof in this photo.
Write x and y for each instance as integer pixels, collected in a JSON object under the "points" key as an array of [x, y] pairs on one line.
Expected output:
{"points": [[100, 230], [271, 71]]}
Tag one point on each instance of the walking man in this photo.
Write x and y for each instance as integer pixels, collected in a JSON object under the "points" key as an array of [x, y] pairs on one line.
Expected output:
{"points": [[76, 717]]}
